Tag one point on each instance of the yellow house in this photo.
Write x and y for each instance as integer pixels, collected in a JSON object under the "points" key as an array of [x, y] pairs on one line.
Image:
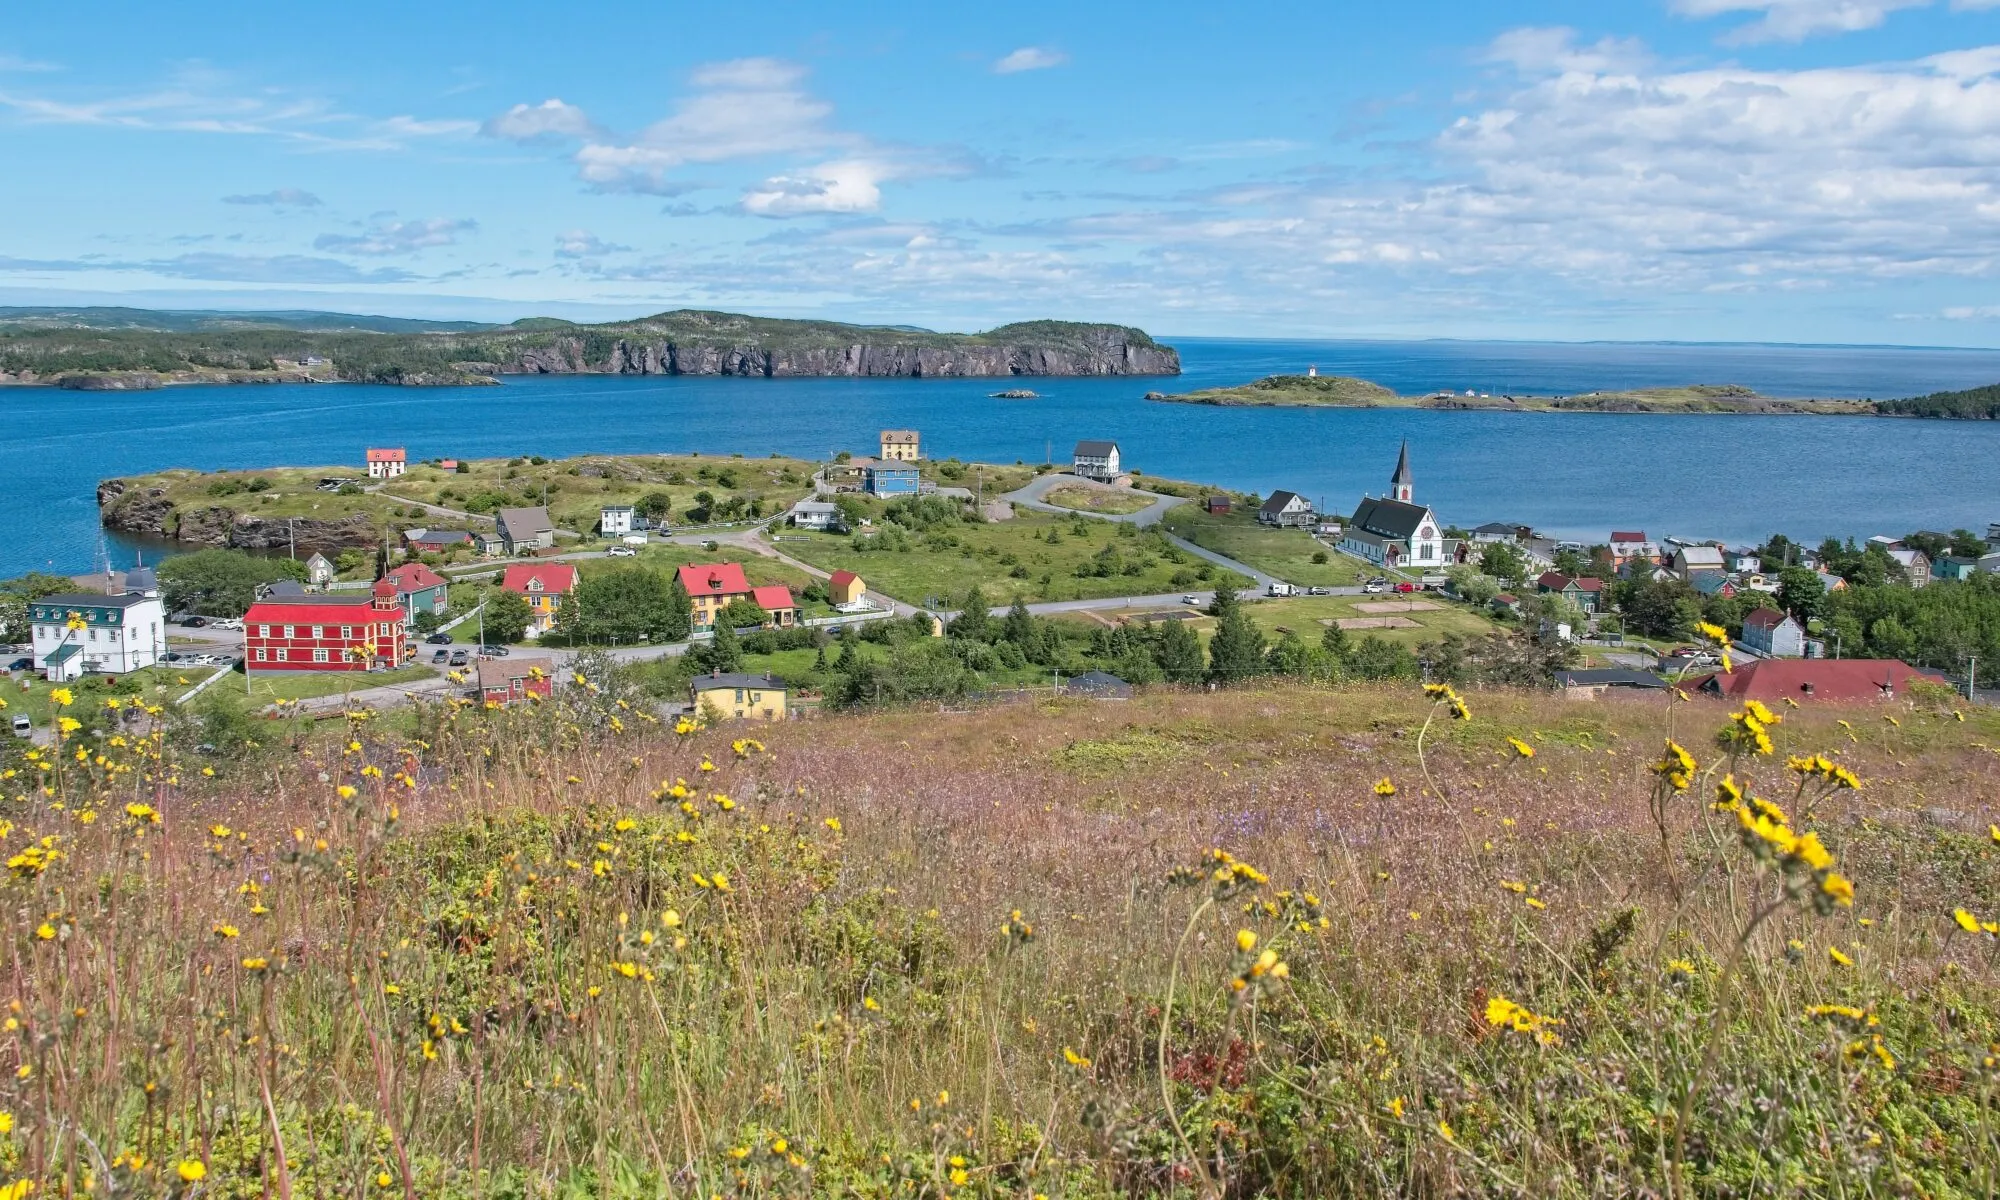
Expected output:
{"points": [[845, 587], [900, 445], [739, 697]]}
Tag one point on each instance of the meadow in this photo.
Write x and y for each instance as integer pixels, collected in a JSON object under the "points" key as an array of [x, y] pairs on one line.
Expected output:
{"points": [[1278, 941], [1292, 555]]}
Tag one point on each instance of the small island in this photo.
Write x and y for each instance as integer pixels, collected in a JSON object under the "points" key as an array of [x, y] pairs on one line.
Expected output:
{"points": [[1016, 394], [1346, 391]]}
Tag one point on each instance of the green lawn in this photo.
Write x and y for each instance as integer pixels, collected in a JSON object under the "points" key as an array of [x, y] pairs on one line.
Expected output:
{"points": [[1012, 558], [30, 695], [1285, 553], [1307, 616], [1085, 498], [268, 686], [577, 487]]}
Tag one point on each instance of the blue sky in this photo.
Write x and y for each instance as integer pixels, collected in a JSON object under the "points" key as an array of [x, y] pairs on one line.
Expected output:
{"points": [[1780, 170]]}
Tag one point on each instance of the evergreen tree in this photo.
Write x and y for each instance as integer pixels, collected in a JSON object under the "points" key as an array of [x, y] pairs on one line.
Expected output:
{"points": [[974, 619], [1334, 641], [850, 658], [1237, 649], [1178, 651], [1291, 656], [1018, 627], [723, 653]]}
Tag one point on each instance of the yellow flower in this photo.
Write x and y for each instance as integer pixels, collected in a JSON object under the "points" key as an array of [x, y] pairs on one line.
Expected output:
{"points": [[61, 697], [346, 792], [1681, 966], [192, 1171], [45, 931], [1521, 748], [225, 931], [1395, 1107], [1075, 1060], [383, 1179], [1384, 788], [1445, 1131], [1246, 941], [255, 964], [1966, 920], [1839, 959], [832, 823]]}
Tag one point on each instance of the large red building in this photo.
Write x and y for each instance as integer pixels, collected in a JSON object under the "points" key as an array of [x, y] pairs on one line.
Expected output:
{"points": [[327, 633]]}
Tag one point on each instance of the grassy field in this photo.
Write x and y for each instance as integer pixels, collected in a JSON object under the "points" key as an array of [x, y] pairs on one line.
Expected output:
{"points": [[27, 694], [1085, 498], [1009, 559], [275, 492], [267, 687], [1308, 615], [1178, 946], [578, 487], [1285, 553]]}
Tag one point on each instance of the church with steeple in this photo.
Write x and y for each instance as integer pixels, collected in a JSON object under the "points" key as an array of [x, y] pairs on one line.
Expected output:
{"points": [[1395, 531]]}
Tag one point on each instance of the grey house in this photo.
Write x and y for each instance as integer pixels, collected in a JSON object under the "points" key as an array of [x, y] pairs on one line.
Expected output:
{"points": [[1096, 460], [1286, 509], [524, 530], [1774, 634]]}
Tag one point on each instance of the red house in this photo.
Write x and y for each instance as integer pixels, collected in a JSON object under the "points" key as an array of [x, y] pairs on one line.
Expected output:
{"points": [[510, 680], [327, 632], [1772, 680]]}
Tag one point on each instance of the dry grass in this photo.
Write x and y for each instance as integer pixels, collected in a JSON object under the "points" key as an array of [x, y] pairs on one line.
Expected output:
{"points": [[442, 1013]]}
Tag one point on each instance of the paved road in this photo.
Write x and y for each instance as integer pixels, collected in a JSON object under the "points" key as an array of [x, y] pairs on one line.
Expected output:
{"points": [[1031, 495]]}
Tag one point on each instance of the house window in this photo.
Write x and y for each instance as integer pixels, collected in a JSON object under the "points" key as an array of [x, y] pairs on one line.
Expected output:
{"points": [[287, 632], [347, 633], [260, 654], [319, 656], [318, 632], [284, 655], [739, 695], [263, 631]]}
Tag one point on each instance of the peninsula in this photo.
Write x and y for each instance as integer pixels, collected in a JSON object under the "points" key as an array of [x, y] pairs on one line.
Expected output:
{"points": [[137, 349], [1343, 391]]}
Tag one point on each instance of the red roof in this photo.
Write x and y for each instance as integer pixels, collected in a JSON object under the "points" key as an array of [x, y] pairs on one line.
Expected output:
{"points": [[1554, 581], [714, 579], [1628, 537], [554, 577], [771, 599], [323, 610], [1763, 618], [1589, 583], [843, 578], [1775, 679], [394, 454], [415, 577]]}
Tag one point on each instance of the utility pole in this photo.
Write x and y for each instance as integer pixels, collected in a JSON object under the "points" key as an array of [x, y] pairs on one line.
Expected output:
{"points": [[1972, 678]]}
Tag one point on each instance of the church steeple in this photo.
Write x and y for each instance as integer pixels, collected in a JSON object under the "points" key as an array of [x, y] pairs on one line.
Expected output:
{"points": [[1402, 484]]}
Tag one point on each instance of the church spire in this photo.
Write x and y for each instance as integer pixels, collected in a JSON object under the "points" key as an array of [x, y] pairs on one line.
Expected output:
{"points": [[1402, 484]]}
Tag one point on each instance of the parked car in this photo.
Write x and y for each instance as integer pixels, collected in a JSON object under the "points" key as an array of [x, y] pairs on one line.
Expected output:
{"points": [[23, 727], [494, 651], [195, 622], [1406, 587], [622, 552], [458, 658], [1190, 598], [440, 656], [438, 639], [1372, 588], [21, 664], [1319, 591], [230, 623]]}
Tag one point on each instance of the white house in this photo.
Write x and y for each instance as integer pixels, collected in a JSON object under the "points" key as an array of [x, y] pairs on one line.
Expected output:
{"points": [[815, 514], [319, 572], [1096, 460], [386, 463], [615, 520], [1774, 634], [1286, 509], [78, 633], [1395, 531]]}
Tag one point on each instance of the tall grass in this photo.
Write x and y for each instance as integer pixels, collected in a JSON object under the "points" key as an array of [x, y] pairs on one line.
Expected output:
{"points": [[566, 951]]}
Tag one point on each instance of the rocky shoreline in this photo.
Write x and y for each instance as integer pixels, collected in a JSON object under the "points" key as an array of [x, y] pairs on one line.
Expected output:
{"points": [[148, 511]]}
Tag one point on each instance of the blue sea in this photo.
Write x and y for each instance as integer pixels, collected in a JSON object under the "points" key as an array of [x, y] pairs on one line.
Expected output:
{"points": [[1580, 475]]}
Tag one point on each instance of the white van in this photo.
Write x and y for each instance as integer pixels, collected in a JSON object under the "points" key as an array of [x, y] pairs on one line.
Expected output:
{"points": [[1282, 589], [23, 727]]}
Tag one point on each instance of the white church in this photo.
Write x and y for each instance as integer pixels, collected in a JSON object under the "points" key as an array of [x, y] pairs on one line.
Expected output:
{"points": [[1395, 531]]}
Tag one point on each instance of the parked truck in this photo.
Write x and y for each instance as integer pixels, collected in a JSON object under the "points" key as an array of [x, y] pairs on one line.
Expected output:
{"points": [[1282, 589]]}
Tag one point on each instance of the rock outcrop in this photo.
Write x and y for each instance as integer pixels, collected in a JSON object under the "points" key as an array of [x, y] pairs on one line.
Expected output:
{"points": [[1107, 352], [150, 511]]}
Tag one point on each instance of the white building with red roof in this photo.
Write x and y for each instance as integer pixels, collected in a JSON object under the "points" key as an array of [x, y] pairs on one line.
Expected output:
{"points": [[545, 586], [327, 633], [387, 462]]}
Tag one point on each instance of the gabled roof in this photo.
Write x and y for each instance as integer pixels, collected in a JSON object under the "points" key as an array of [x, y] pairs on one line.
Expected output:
{"points": [[1626, 536], [842, 578], [1095, 449], [415, 577], [91, 600], [899, 437], [1554, 581], [520, 524], [317, 610], [1764, 618], [714, 579], [1709, 583], [815, 506], [552, 577], [1390, 518], [440, 536], [499, 672], [1098, 681], [1281, 500], [705, 683], [1773, 679], [1500, 527], [773, 598], [1700, 556], [389, 454], [286, 587]]}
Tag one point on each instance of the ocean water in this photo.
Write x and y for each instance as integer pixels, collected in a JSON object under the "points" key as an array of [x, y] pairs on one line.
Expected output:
{"points": [[1571, 474]]}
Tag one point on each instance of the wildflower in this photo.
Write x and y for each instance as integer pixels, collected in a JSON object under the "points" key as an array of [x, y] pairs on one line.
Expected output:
{"points": [[1966, 920], [192, 1171], [1502, 1012], [1017, 928], [1681, 966], [1447, 695], [1531, 902], [1514, 886], [61, 697], [143, 813], [1246, 941], [1445, 1130], [1395, 1108], [255, 964], [1521, 748], [46, 932], [832, 823], [383, 1179], [1676, 766], [1728, 794], [225, 931], [345, 792], [869, 1003], [1075, 1060], [1384, 788]]}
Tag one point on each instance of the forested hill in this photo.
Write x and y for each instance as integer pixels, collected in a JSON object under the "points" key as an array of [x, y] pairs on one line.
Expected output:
{"points": [[1973, 404], [115, 348]]}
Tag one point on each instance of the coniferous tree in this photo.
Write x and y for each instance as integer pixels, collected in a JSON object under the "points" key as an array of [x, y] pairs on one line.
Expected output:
{"points": [[1237, 649], [1178, 651], [974, 619], [1018, 627]]}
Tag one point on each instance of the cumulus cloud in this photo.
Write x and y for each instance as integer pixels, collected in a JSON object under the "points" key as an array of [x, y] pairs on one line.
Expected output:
{"points": [[1536, 50], [281, 198], [851, 186], [385, 237], [1029, 58], [533, 122], [1796, 20], [581, 243]]}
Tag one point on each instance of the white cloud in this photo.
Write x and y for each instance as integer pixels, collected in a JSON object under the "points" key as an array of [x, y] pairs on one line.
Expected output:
{"points": [[14, 62], [386, 237], [1538, 49], [281, 198], [1029, 58], [550, 119], [1795, 20], [849, 186], [581, 243], [1981, 312]]}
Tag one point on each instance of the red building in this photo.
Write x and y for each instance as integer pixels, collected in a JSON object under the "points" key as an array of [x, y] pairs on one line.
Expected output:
{"points": [[506, 681], [1837, 679], [327, 632]]}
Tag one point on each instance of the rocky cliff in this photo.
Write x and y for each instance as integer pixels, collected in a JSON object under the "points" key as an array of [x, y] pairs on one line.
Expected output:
{"points": [[1108, 351], [150, 511]]}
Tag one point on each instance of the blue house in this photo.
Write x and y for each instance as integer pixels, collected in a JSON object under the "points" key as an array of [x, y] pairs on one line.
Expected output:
{"points": [[882, 478]]}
